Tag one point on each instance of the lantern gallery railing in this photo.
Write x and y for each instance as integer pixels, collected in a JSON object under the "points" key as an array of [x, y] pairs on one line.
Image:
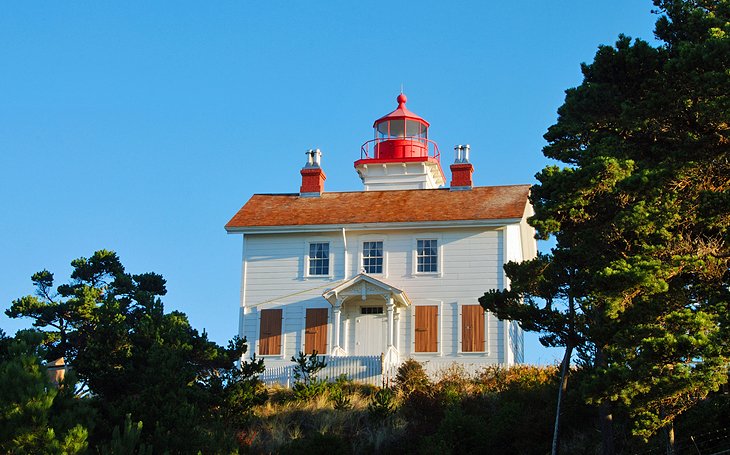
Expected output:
{"points": [[415, 147]]}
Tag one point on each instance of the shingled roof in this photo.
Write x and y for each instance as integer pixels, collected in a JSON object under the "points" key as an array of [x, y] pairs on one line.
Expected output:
{"points": [[370, 207]]}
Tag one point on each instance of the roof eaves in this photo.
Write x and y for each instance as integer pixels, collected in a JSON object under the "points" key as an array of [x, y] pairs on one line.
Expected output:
{"points": [[286, 229]]}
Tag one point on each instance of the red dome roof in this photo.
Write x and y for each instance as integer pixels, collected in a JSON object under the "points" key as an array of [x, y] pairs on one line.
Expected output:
{"points": [[401, 113]]}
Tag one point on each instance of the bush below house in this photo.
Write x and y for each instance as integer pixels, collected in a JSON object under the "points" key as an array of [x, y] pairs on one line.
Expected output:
{"points": [[499, 410]]}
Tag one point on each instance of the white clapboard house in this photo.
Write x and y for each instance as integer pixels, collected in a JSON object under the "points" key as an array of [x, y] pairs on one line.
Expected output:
{"points": [[370, 278]]}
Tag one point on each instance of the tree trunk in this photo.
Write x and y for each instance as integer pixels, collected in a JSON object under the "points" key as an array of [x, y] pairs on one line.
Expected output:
{"points": [[604, 414], [561, 395], [669, 435]]}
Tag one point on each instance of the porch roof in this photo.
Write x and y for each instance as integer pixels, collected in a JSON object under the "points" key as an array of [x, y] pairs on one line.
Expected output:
{"points": [[364, 285]]}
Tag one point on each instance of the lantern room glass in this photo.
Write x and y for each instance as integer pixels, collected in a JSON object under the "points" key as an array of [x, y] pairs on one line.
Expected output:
{"points": [[398, 129]]}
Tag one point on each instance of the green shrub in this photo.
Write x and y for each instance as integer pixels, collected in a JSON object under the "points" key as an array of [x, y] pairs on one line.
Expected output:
{"points": [[307, 385], [347, 385], [306, 391], [382, 404], [316, 443], [340, 399], [411, 377], [423, 409], [126, 442], [307, 367], [460, 431]]}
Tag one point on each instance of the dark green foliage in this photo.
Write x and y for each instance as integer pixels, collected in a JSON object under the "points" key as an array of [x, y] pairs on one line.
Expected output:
{"points": [[317, 443], [306, 383], [340, 400], [340, 392], [238, 390], [26, 402], [382, 404], [500, 410], [641, 217], [307, 367], [136, 359], [128, 441]]}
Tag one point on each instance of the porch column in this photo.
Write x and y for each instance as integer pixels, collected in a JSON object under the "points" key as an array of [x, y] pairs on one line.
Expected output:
{"points": [[337, 316], [337, 313], [390, 306]]}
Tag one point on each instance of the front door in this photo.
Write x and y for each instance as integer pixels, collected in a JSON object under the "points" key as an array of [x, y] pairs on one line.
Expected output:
{"points": [[371, 326]]}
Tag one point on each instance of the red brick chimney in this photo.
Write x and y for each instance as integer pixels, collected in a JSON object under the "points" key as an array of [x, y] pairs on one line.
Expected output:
{"points": [[312, 175], [462, 169]]}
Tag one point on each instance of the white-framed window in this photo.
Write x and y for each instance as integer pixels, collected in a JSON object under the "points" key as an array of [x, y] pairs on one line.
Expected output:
{"points": [[427, 257], [318, 259], [373, 256]]}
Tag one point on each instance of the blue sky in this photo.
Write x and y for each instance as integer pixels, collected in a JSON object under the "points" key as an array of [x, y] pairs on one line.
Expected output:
{"points": [[142, 127]]}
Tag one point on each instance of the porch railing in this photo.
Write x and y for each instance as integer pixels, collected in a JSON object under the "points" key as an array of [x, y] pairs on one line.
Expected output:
{"points": [[362, 369], [373, 370]]}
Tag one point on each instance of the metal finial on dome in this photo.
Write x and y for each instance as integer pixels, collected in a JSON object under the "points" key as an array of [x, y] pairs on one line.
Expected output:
{"points": [[402, 98]]}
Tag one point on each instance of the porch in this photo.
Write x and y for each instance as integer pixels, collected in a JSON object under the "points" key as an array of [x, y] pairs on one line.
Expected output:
{"points": [[366, 318]]}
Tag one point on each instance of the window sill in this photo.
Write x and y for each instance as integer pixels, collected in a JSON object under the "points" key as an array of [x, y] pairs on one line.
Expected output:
{"points": [[380, 275], [318, 277]]}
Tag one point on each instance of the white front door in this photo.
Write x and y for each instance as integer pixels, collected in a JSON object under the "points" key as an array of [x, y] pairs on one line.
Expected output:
{"points": [[371, 325]]}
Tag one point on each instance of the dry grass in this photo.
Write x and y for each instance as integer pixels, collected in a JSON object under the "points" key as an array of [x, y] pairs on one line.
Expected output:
{"points": [[283, 419]]}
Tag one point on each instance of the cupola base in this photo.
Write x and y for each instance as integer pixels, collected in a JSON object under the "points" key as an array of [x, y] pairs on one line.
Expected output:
{"points": [[384, 176]]}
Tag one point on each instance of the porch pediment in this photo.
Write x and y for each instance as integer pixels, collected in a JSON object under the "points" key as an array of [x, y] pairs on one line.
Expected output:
{"points": [[363, 286]]}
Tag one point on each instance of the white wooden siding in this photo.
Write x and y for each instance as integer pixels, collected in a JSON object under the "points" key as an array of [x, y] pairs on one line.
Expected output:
{"points": [[471, 261]]}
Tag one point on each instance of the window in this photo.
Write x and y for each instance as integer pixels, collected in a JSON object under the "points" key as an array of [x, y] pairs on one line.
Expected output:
{"points": [[371, 310], [270, 332], [427, 256], [426, 328], [472, 328], [315, 333], [319, 258], [372, 257]]}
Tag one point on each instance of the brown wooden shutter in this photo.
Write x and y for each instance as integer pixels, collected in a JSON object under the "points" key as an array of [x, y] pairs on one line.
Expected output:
{"points": [[472, 328], [315, 333], [270, 338], [426, 328]]}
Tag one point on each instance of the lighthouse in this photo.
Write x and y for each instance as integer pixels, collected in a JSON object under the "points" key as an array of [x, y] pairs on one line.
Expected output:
{"points": [[371, 278], [400, 156]]}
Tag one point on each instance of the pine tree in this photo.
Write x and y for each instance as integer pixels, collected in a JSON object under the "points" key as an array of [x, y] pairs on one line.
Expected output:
{"points": [[641, 214]]}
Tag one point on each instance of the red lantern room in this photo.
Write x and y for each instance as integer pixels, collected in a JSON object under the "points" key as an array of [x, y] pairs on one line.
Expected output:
{"points": [[401, 138]]}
